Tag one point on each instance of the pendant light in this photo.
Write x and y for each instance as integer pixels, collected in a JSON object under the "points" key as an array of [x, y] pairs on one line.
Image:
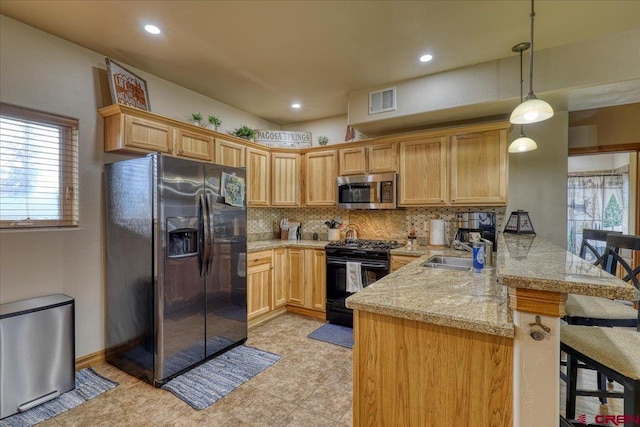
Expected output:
{"points": [[532, 110], [523, 143]]}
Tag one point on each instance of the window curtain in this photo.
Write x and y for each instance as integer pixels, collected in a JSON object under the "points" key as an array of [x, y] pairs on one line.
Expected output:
{"points": [[596, 200]]}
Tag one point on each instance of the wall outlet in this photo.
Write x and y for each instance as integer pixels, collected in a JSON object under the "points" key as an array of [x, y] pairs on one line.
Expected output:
{"points": [[426, 226], [261, 223]]}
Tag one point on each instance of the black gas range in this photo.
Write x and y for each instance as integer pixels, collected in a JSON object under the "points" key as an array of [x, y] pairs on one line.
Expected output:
{"points": [[347, 260]]}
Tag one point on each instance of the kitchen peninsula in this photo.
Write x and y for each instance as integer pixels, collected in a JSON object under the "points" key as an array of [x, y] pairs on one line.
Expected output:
{"points": [[438, 347]]}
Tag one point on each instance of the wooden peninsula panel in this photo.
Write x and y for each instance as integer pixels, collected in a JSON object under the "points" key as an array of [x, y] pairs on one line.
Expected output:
{"points": [[410, 373]]}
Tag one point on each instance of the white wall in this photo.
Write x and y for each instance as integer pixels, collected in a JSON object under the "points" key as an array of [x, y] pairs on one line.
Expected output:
{"points": [[43, 72], [598, 162], [538, 179], [334, 128]]}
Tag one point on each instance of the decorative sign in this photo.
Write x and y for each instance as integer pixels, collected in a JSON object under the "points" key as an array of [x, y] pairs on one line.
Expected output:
{"points": [[283, 138], [126, 87]]}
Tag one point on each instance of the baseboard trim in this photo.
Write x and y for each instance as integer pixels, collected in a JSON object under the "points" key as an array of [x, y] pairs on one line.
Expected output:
{"points": [[322, 315], [90, 359], [266, 317]]}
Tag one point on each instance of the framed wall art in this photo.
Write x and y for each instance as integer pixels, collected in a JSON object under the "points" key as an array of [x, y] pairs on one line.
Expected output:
{"points": [[127, 88]]}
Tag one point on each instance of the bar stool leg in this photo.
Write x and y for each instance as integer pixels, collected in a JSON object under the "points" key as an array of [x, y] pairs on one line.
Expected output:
{"points": [[572, 385]]}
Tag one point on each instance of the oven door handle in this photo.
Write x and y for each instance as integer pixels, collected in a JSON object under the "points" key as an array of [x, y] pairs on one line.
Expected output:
{"points": [[334, 261]]}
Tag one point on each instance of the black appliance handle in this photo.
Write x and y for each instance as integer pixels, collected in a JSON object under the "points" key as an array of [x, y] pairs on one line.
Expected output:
{"points": [[371, 264]]}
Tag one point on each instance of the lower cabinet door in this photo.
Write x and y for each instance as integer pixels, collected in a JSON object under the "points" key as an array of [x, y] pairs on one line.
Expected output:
{"points": [[258, 286]]}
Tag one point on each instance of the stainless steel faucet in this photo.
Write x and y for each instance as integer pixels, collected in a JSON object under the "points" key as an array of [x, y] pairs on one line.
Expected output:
{"points": [[488, 253], [457, 244]]}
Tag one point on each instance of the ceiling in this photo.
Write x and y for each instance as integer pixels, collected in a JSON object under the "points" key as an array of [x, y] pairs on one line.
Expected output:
{"points": [[261, 56]]}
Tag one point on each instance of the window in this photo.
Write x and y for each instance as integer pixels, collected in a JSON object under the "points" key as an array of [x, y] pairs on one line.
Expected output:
{"points": [[38, 169]]}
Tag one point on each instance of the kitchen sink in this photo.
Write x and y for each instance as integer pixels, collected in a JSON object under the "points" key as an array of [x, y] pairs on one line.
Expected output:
{"points": [[449, 263]]}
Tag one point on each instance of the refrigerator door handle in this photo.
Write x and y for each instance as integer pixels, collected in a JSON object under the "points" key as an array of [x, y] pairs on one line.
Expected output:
{"points": [[211, 233], [206, 246]]}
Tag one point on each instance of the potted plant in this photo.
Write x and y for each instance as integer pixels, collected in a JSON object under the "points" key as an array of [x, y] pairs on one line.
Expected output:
{"points": [[196, 119], [334, 229], [214, 122], [323, 140], [244, 132]]}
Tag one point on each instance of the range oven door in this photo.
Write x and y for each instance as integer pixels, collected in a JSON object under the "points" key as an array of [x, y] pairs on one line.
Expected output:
{"points": [[371, 270]]}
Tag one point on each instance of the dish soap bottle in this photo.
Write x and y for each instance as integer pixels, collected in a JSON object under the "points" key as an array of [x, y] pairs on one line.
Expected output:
{"points": [[478, 256]]}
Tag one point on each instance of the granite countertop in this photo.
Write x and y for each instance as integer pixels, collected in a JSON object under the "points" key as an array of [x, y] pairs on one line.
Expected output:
{"points": [[478, 301], [530, 262], [263, 245], [458, 299]]}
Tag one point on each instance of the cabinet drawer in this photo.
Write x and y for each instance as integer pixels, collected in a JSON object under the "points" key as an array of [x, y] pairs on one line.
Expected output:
{"points": [[258, 258]]}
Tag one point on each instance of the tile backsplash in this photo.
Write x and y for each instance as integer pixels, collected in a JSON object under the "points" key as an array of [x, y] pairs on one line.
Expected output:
{"points": [[264, 223]]}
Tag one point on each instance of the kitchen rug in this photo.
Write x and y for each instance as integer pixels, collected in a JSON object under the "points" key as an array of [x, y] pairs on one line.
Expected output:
{"points": [[205, 384], [89, 384], [334, 334]]}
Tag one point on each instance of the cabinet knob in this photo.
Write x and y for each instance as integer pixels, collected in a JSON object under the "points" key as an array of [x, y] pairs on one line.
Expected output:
{"points": [[181, 151], [170, 150]]}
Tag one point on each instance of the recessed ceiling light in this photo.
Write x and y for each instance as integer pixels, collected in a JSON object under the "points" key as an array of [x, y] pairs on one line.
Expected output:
{"points": [[296, 105], [152, 29], [426, 58]]}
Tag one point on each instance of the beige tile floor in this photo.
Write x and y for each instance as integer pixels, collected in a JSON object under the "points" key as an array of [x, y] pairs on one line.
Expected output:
{"points": [[309, 386]]}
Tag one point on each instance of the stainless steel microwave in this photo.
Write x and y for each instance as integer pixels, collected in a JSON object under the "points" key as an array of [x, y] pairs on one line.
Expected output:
{"points": [[367, 191]]}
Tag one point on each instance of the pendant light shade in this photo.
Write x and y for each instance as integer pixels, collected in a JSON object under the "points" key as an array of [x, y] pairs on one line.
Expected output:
{"points": [[532, 110], [522, 144]]}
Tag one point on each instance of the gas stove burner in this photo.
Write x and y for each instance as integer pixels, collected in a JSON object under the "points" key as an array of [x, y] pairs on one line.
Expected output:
{"points": [[365, 244]]}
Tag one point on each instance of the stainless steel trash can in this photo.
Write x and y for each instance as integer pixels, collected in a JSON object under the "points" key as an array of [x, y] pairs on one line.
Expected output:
{"points": [[37, 352]]}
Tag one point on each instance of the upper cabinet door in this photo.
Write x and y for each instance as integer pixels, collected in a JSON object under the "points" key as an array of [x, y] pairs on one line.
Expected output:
{"points": [[320, 184], [423, 172], [258, 177], [147, 135], [229, 153], [479, 168], [285, 179], [193, 145], [383, 158], [353, 161]]}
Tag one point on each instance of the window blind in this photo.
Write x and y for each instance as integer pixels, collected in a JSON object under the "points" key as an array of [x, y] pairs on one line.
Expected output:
{"points": [[38, 169]]}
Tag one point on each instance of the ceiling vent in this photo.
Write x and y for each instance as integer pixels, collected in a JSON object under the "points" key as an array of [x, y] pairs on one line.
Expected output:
{"points": [[382, 100]]}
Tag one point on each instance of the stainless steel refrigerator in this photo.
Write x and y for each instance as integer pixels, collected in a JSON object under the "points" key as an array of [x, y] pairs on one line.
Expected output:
{"points": [[176, 264]]}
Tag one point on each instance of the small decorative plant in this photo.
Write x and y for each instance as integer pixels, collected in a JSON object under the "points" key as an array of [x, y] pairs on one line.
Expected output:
{"points": [[244, 132], [334, 223], [196, 118], [323, 140], [214, 121]]}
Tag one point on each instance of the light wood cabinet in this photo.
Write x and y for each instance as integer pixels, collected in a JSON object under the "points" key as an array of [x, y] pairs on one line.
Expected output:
{"points": [[479, 174], [145, 135], [259, 283], [280, 277], [353, 161], [285, 179], [193, 145], [399, 261], [378, 158], [320, 174], [229, 153], [382, 158], [399, 363], [296, 294], [315, 272], [423, 172], [258, 177]]}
